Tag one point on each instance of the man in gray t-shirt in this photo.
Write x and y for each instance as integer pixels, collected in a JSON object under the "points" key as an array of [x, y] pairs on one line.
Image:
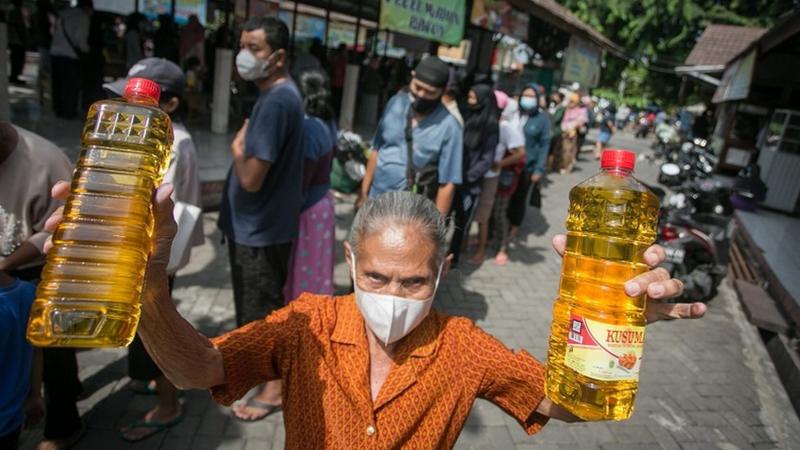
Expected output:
{"points": [[263, 193]]}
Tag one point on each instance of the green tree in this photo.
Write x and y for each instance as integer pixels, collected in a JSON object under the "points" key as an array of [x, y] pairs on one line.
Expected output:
{"points": [[659, 34]]}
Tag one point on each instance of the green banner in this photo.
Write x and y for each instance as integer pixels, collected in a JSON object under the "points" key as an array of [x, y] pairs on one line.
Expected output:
{"points": [[437, 20]]}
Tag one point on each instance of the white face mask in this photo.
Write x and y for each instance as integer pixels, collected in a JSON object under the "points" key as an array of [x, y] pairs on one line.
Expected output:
{"points": [[389, 317], [249, 67]]}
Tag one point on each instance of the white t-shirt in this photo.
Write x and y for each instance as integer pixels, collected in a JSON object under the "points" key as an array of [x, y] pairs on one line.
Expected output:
{"points": [[510, 137], [182, 172]]}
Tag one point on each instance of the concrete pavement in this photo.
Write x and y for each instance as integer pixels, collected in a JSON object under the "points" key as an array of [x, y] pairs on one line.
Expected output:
{"points": [[704, 384]]}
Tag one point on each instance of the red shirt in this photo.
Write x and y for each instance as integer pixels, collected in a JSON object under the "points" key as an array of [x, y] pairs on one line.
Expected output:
{"points": [[318, 347]]}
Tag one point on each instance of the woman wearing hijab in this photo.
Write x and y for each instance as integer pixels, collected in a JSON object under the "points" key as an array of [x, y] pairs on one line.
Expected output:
{"points": [[509, 152], [481, 131], [536, 128]]}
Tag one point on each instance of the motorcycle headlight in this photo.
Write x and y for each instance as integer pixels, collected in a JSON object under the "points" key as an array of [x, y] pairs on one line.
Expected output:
{"points": [[670, 169]]}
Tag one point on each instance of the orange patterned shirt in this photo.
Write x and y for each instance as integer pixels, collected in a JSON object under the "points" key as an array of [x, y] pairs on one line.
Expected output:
{"points": [[318, 347]]}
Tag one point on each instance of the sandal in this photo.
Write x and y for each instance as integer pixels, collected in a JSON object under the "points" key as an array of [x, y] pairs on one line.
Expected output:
{"points": [[253, 403], [155, 426], [143, 387]]}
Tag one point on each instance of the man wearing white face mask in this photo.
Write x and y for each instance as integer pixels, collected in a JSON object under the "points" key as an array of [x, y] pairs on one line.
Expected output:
{"points": [[263, 195], [380, 369]]}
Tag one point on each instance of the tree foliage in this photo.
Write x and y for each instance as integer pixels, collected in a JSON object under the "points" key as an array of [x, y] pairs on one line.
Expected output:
{"points": [[658, 35]]}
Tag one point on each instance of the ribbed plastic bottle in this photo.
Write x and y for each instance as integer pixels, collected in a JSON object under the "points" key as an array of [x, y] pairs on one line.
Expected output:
{"points": [[92, 282], [597, 334]]}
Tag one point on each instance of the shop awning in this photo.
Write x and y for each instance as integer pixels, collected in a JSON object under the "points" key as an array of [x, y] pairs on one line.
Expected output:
{"points": [[560, 17], [545, 10]]}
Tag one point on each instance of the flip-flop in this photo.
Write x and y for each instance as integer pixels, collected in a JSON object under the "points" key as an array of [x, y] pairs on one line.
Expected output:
{"points": [[157, 427], [143, 388], [501, 261], [146, 389], [253, 403]]}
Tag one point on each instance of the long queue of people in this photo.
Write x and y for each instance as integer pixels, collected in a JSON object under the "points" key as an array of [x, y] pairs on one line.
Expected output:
{"points": [[480, 156]]}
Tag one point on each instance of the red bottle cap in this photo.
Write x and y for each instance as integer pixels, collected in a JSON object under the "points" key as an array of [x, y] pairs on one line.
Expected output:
{"points": [[142, 87], [613, 159]]}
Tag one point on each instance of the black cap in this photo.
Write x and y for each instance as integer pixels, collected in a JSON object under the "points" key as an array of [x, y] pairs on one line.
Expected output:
{"points": [[164, 72], [433, 71]]}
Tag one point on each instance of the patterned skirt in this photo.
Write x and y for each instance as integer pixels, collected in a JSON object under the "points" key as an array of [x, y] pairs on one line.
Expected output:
{"points": [[311, 263]]}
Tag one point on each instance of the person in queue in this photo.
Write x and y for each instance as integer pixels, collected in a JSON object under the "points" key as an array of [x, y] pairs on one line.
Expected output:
{"points": [[575, 118], [416, 122], [263, 197], [535, 126], [481, 135], [146, 377], [378, 368], [312, 260], [29, 165], [509, 152]]}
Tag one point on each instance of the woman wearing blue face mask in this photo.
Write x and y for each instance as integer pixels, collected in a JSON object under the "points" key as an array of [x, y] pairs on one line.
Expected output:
{"points": [[535, 126]]}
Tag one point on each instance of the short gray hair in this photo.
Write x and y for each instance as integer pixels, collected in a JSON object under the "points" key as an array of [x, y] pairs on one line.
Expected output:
{"points": [[400, 208]]}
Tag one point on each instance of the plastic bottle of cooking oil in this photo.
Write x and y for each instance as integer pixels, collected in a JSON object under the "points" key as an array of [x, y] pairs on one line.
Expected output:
{"points": [[91, 284], [597, 335]]}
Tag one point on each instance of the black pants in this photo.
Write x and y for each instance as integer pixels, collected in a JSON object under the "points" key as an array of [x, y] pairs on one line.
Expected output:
{"points": [[140, 365], [66, 79], [258, 275], [17, 62], [61, 390], [519, 200], [580, 141], [9, 441], [336, 98], [463, 208], [60, 378]]}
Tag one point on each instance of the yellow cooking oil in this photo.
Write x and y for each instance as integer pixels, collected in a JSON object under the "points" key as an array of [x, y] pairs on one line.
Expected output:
{"points": [[597, 335], [92, 281]]}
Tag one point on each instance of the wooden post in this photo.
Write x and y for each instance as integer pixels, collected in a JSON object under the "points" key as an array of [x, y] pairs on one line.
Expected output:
{"points": [[327, 23], [5, 102], [294, 30], [358, 24]]}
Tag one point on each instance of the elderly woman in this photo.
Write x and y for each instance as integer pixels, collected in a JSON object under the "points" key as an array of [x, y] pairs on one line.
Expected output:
{"points": [[376, 369]]}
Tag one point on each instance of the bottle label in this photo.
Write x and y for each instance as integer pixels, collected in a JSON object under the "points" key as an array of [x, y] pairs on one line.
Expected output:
{"points": [[602, 351]]}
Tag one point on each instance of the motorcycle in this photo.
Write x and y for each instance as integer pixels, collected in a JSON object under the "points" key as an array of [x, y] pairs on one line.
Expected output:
{"points": [[350, 162], [642, 128], [667, 139], [695, 229], [691, 161]]}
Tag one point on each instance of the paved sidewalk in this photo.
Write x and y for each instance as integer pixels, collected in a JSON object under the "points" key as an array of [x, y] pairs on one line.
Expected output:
{"points": [[705, 384]]}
